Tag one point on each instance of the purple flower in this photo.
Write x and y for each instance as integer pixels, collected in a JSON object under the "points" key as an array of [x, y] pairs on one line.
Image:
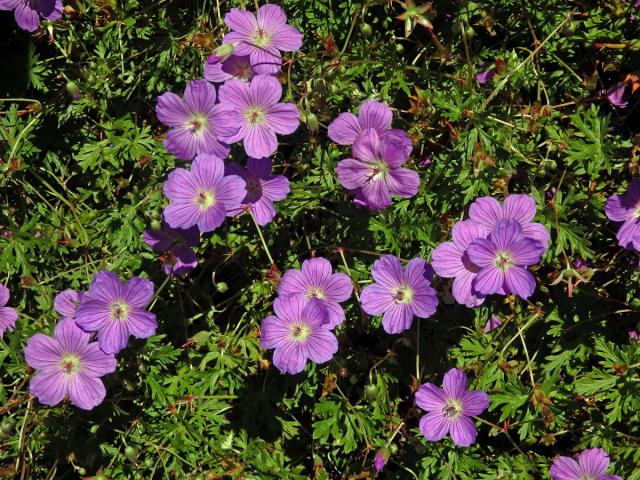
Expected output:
{"points": [[399, 293], [346, 127], [262, 188], [175, 245], [28, 12], [591, 464], [67, 302], [503, 258], [449, 409], [196, 122], [316, 280], [117, 310], [299, 331], [633, 335], [235, 66], [626, 208], [485, 76], [261, 117], [382, 456], [451, 260], [201, 196], [493, 323], [262, 37], [375, 173], [520, 207], [617, 95], [68, 364], [8, 315]]}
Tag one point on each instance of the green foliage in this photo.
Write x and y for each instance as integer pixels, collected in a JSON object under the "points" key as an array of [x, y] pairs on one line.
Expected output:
{"points": [[81, 178]]}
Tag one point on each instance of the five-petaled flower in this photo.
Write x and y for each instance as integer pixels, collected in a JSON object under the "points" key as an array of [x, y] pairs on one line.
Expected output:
{"points": [[590, 464], [262, 188], [261, 116], [175, 245], [262, 36], [202, 196], [399, 293], [503, 259], [376, 173], [626, 208], [116, 310], [196, 122], [316, 281], [450, 408], [68, 364], [299, 331]]}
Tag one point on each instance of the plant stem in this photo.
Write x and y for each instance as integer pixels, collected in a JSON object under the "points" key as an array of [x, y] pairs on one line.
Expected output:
{"points": [[264, 243]]}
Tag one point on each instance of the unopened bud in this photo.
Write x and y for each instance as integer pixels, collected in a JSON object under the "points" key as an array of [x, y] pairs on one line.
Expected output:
{"points": [[221, 53], [73, 90]]}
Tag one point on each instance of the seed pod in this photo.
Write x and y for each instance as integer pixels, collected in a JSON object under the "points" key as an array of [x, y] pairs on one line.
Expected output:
{"points": [[222, 287], [371, 392], [399, 48], [131, 453], [366, 29], [73, 90], [312, 122]]}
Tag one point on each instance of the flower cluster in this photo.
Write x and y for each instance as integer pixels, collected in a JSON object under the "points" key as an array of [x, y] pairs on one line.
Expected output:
{"points": [[490, 252], [203, 124], [375, 172], [70, 363], [306, 311]]}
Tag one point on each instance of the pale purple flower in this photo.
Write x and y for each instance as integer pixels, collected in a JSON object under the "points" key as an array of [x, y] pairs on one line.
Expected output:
{"points": [[28, 12], [262, 37], [235, 66], [196, 122], [298, 332], [485, 76], [617, 95], [67, 302], [634, 336], [262, 188], [520, 207], [202, 196], [373, 114], [175, 245], [399, 293], [450, 408], [68, 365], [116, 310], [493, 323], [626, 208], [8, 315], [503, 259], [450, 260], [376, 173], [590, 464], [316, 280], [382, 456], [261, 116]]}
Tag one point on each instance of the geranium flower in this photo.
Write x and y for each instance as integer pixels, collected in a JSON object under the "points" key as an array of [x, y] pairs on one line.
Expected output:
{"points": [[590, 464], [235, 66], [626, 208], [175, 245], [450, 409], [67, 302], [28, 12], [8, 315], [68, 365]]}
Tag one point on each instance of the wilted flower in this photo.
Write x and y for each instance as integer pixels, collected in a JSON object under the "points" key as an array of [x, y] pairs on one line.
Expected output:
{"points": [[8, 315], [617, 95], [503, 259], [451, 260], [376, 173], [399, 293], [28, 12], [67, 302], [175, 244], [262, 37], [485, 76], [299, 331], [382, 456], [590, 464], [202, 196], [261, 116], [520, 207], [493, 323], [262, 188], [316, 280], [196, 122], [67, 364], [450, 408], [235, 66], [376, 115], [116, 310], [626, 208]]}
